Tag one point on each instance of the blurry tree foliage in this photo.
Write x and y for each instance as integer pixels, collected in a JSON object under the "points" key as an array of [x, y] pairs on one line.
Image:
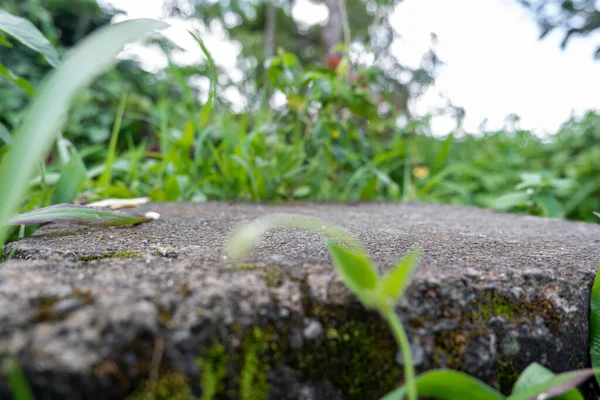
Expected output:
{"points": [[574, 17]]}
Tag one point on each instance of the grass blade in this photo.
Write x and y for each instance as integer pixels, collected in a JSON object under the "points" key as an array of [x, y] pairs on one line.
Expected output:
{"points": [[16, 380], [75, 214], [46, 114], [104, 179], [205, 113], [72, 177]]}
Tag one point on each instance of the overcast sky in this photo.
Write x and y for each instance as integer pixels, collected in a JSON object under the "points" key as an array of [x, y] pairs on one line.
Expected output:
{"points": [[495, 64]]}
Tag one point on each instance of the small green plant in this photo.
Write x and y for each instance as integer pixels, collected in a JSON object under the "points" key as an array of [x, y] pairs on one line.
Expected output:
{"points": [[538, 193], [382, 293]]}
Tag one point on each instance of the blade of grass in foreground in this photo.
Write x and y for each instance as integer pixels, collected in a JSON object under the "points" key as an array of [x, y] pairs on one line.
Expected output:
{"points": [[46, 114], [83, 215], [16, 380]]}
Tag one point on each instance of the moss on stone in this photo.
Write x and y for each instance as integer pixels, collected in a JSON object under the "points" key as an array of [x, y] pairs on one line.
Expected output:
{"points": [[273, 275], [515, 311], [110, 254], [171, 386], [213, 370], [356, 353], [255, 369]]}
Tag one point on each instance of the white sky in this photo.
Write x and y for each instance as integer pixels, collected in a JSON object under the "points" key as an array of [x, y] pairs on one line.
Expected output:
{"points": [[495, 64]]}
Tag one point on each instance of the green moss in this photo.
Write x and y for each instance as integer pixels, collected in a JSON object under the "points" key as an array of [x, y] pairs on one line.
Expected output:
{"points": [[250, 267], [515, 311], [171, 386], [110, 254], [213, 370], [355, 341], [273, 275], [253, 376]]}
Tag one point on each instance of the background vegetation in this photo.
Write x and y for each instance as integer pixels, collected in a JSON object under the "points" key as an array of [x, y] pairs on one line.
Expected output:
{"points": [[344, 131]]}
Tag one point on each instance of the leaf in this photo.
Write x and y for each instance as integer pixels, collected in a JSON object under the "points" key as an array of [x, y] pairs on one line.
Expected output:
{"points": [[45, 116], [597, 214], [535, 374], [395, 281], [554, 386], [595, 323], [550, 206], [17, 80], [510, 200], [26, 33], [17, 383], [83, 215], [445, 384], [172, 189], [73, 175], [302, 191], [356, 269], [530, 180]]}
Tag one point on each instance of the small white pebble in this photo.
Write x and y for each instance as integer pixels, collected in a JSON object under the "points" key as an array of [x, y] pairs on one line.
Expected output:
{"points": [[152, 215]]}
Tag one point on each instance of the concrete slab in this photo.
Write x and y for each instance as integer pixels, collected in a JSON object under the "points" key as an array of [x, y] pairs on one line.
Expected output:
{"points": [[94, 312]]}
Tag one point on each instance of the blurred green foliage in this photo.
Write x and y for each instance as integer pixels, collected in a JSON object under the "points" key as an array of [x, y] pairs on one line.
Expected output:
{"points": [[326, 134]]}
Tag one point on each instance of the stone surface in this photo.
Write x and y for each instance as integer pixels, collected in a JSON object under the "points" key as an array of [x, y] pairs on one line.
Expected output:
{"points": [[92, 313]]}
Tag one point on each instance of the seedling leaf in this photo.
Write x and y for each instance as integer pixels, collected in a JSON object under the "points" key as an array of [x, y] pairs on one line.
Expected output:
{"points": [[395, 281], [535, 374], [75, 214], [26, 33], [555, 386], [448, 385], [246, 237], [356, 269]]}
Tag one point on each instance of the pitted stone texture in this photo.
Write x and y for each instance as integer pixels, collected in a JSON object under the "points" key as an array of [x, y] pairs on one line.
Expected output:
{"points": [[492, 293]]}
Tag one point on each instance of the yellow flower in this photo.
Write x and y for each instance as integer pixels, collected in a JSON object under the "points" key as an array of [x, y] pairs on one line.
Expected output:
{"points": [[335, 134], [420, 172]]}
